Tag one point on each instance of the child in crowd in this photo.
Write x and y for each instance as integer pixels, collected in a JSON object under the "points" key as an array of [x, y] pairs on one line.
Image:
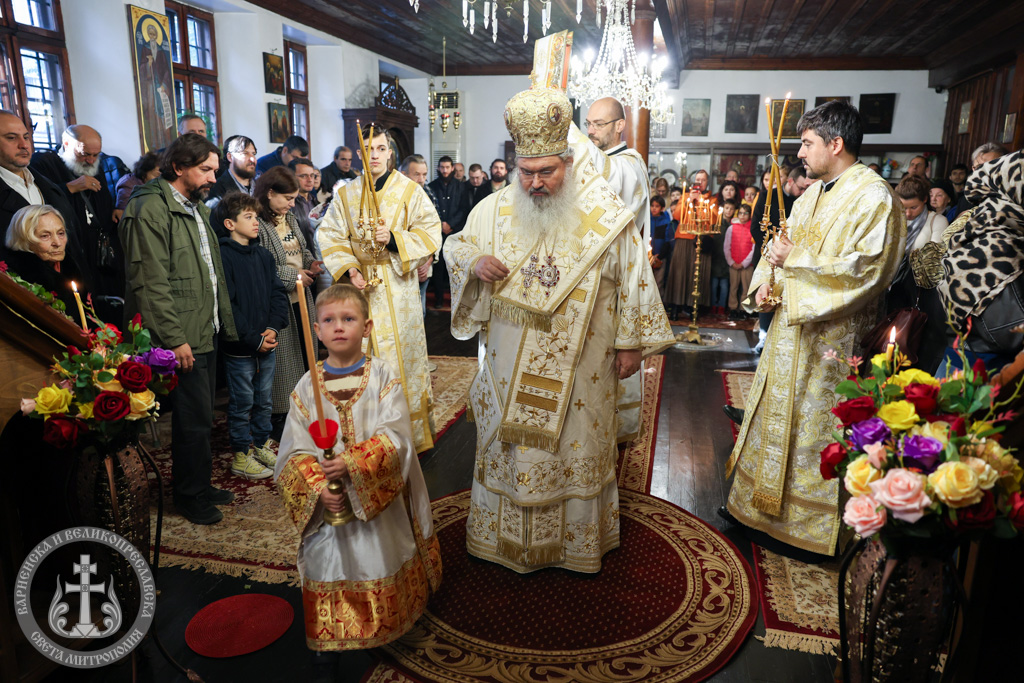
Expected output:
{"points": [[750, 197], [662, 238], [259, 304], [719, 268], [739, 252], [365, 581]]}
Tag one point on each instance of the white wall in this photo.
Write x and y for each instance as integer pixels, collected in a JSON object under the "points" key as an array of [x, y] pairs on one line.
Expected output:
{"points": [[917, 119], [340, 75]]}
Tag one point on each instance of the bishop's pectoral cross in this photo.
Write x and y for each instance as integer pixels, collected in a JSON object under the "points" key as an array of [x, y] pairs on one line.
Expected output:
{"points": [[84, 569], [547, 275]]}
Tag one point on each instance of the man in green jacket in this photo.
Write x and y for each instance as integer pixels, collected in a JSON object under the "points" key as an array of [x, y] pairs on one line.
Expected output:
{"points": [[176, 282]]}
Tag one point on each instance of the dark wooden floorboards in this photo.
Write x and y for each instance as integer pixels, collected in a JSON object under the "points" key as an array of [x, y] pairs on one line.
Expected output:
{"points": [[693, 443]]}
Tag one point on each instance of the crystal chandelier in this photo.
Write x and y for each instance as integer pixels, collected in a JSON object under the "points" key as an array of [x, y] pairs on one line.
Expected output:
{"points": [[617, 71]]}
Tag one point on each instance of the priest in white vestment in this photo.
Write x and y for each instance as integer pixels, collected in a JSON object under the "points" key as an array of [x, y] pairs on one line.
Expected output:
{"points": [[845, 243], [553, 274]]}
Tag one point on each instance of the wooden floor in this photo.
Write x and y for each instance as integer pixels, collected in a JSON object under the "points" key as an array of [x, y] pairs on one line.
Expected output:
{"points": [[694, 441]]}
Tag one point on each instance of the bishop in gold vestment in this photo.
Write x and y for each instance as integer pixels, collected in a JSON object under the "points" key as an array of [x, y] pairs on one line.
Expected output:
{"points": [[849, 242], [574, 311], [395, 306]]}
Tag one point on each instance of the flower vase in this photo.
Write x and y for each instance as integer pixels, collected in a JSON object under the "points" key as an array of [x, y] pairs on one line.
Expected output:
{"points": [[111, 491], [896, 605]]}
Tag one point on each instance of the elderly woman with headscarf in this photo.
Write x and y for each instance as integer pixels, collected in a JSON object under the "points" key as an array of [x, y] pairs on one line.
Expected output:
{"points": [[36, 249]]}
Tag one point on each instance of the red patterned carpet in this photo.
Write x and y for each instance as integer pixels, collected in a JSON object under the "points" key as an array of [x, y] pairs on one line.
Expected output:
{"points": [[673, 603]]}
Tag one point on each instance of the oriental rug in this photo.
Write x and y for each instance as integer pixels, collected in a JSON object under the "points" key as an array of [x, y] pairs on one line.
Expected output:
{"points": [[673, 603], [737, 386], [256, 539], [799, 603]]}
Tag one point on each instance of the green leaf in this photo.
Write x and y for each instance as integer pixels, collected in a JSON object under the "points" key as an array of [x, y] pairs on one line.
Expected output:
{"points": [[849, 389], [105, 376], [891, 391]]}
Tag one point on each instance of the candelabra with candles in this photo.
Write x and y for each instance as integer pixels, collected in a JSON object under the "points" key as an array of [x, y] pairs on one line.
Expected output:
{"points": [[699, 219], [772, 233], [370, 217]]}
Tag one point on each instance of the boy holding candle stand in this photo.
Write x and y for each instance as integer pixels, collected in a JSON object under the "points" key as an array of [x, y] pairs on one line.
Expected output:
{"points": [[368, 556]]}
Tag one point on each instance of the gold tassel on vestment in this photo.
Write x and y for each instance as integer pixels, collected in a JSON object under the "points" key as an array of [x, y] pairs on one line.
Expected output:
{"points": [[520, 316], [528, 436], [770, 505], [513, 552], [510, 550]]}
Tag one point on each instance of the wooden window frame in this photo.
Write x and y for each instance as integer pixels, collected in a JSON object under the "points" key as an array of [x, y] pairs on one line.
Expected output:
{"points": [[294, 95], [187, 72], [17, 36]]}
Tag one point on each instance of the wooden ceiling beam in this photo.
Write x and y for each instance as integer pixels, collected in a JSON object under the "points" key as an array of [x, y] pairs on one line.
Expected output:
{"points": [[787, 26], [879, 13], [709, 27], [766, 10], [903, 11], [737, 21], [854, 63], [837, 30], [818, 18], [668, 30], [1009, 18], [936, 18], [491, 70]]}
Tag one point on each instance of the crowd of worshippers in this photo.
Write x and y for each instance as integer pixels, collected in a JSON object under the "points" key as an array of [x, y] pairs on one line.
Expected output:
{"points": [[65, 210], [730, 253]]}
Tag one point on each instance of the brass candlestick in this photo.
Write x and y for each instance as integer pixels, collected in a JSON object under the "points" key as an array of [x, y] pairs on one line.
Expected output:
{"points": [[700, 224], [367, 226], [337, 487]]}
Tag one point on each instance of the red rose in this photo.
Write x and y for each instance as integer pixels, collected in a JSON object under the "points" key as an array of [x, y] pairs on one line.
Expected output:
{"points": [[134, 376], [137, 320], [831, 456], [110, 329], [61, 431], [923, 396], [170, 381], [111, 405], [979, 369], [73, 351], [855, 410], [978, 516], [1015, 513]]}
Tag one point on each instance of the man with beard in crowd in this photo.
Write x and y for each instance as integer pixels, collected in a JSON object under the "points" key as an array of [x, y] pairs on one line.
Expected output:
{"points": [[75, 168], [499, 174], [553, 275], [240, 153], [176, 282]]}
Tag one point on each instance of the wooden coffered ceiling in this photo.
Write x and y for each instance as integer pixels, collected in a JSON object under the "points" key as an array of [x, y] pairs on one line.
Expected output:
{"points": [[948, 37]]}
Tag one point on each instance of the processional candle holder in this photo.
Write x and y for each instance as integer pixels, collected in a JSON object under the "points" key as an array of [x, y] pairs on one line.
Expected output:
{"points": [[325, 441], [772, 301], [700, 221], [370, 217]]}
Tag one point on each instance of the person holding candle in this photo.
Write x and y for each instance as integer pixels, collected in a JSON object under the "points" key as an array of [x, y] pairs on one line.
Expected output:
{"points": [[36, 249], [367, 581], [259, 304], [844, 242], [407, 233]]}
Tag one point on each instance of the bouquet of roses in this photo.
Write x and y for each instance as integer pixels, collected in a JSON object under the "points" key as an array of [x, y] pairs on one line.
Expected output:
{"points": [[108, 391], [920, 456]]}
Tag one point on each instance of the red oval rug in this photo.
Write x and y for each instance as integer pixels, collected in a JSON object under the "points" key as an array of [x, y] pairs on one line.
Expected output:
{"points": [[673, 603], [238, 625]]}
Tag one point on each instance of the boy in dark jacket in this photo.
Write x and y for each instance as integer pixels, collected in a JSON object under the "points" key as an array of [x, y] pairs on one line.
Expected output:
{"points": [[259, 304]]}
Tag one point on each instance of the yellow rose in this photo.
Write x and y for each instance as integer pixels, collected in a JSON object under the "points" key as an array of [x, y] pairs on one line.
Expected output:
{"points": [[85, 410], [912, 375], [880, 360], [899, 415], [987, 477], [859, 474], [52, 399], [141, 402], [112, 385], [956, 484], [937, 430], [1006, 466]]}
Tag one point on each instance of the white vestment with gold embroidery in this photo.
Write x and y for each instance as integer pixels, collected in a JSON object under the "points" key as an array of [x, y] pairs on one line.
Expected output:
{"points": [[544, 488], [395, 305], [849, 242]]}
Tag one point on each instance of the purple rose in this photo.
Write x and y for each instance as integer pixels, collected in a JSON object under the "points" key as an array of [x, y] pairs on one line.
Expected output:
{"points": [[922, 453], [867, 432], [161, 360]]}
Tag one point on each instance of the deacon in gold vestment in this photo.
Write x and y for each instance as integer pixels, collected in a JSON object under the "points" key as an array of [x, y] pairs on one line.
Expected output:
{"points": [[570, 315], [412, 233], [847, 234]]}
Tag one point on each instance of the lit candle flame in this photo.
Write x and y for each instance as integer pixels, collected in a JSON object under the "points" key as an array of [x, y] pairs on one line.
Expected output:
{"points": [[892, 335], [74, 286], [788, 95]]}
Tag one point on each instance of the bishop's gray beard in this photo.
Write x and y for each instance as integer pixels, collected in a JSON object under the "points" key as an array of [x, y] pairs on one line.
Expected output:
{"points": [[537, 217], [77, 167]]}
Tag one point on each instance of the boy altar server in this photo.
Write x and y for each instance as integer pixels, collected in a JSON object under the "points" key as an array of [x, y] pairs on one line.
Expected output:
{"points": [[366, 581]]}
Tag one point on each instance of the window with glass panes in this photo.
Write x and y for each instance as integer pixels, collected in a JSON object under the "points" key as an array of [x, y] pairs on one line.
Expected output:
{"points": [[34, 78], [297, 90], [194, 51]]}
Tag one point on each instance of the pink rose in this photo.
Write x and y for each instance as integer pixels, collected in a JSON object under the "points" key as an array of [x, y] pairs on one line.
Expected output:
{"points": [[865, 515], [877, 455], [902, 492], [27, 406]]}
